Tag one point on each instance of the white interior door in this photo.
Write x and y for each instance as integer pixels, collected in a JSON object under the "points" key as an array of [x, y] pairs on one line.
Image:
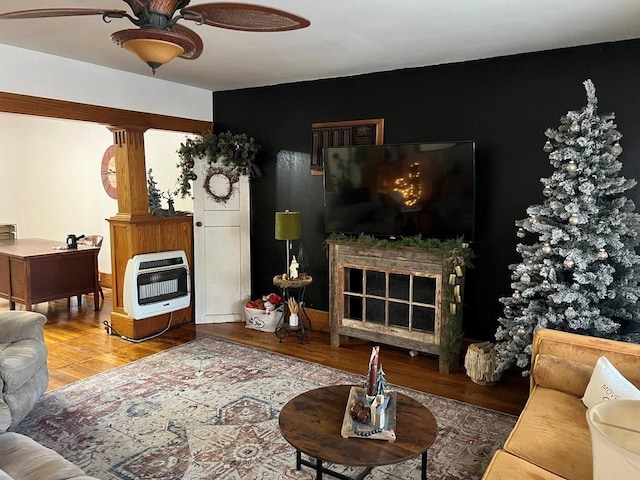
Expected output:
{"points": [[222, 267]]}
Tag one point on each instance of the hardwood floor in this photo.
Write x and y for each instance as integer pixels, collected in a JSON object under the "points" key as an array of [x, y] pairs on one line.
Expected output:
{"points": [[79, 347]]}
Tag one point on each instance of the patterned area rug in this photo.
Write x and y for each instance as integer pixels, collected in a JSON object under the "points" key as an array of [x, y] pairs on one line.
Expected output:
{"points": [[209, 409]]}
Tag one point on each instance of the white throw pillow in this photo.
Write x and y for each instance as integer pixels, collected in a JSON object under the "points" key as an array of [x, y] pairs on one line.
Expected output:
{"points": [[607, 383]]}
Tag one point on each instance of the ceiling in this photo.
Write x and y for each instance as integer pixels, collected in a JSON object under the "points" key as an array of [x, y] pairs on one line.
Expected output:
{"points": [[346, 37]]}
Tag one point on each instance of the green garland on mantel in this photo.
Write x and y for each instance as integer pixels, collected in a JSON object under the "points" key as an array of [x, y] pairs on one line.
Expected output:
{"points": [[439, 248], [455, 255]]}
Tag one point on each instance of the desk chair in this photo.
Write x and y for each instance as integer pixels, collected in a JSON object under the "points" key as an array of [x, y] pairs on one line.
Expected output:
{"points": [[92, 241]]}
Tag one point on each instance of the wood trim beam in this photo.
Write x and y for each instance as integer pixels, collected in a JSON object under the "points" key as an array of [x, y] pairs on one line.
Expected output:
{"points": [[48, 107]]}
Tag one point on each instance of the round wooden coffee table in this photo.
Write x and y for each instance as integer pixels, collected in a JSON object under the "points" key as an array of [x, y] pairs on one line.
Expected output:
{"points": [[311, 423]]}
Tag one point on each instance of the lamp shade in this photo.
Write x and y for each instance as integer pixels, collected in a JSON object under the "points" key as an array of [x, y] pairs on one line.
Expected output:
{"points": [[287, 225], [154, 51], [155, 46]]}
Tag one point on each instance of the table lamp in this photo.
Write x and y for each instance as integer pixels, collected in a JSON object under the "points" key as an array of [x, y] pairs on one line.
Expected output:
{"points": [[287, 229]]}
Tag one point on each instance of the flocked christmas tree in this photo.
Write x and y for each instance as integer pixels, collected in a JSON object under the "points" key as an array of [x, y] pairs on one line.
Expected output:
{"points": [[580, 272]]}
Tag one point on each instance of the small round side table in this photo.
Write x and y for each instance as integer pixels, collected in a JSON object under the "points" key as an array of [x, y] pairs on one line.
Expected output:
{"points": [[304, 324]]}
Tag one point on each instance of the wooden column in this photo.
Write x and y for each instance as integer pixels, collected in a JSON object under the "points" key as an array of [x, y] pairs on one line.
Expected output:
{"points": [[133, 230], [131, 173]]}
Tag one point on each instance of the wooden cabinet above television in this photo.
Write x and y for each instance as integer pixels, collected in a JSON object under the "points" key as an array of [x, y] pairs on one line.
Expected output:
{"points": [[341, 134]]}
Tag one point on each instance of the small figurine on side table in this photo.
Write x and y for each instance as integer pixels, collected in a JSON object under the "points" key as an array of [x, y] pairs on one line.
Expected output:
{"points": [[293, 268]]}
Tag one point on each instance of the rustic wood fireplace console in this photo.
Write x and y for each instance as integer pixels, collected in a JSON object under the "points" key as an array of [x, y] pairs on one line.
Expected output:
{"points": [[390, 296]]}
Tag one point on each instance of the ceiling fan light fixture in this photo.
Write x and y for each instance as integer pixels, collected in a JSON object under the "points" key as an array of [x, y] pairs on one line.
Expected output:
{"points": [[159, 38], [154, 47], [154, 52]]}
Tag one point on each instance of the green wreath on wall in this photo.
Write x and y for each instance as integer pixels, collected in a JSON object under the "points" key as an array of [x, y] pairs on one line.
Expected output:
{"points": [[231, 176], [236, 150]]}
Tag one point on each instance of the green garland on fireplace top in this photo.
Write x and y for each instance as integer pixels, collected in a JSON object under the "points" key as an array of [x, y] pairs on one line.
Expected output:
{"points": [[439, 248], [456, 255], [227, 149]]}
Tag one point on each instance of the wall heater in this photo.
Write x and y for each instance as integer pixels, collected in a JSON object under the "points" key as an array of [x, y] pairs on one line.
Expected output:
{"points": [[156, 283]]}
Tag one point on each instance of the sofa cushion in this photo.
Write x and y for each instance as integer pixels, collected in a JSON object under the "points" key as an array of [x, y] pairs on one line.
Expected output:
{"points": [[585, 349], [5, 415], [21, 360], [552, 433], [22, 401], [561, 374], [19, 325], [607, 383], [4, 476], [505, 466], [25, 459]]}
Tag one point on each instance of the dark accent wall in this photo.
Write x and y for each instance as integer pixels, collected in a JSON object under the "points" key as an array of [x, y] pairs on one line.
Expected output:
{"points": [[505, 104]]}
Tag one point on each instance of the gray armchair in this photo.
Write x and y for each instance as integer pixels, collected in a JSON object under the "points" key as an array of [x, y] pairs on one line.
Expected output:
{"points": [[23, 365]]}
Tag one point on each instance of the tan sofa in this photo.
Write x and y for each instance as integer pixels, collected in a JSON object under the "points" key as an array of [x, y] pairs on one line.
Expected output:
{"points": [[551, 438]]}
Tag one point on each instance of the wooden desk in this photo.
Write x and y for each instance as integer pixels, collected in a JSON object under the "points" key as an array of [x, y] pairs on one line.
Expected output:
{"points": [[33, 271]]}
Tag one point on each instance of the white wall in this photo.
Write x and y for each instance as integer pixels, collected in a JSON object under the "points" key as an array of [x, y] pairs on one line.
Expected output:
{"points": [[38, 74], [50, 182]]}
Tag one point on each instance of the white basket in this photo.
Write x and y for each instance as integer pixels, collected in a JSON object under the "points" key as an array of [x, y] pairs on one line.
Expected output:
{"points": [[260, 320], [615, 439]]}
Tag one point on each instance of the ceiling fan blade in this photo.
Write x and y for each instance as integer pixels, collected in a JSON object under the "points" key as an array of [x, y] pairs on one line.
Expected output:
{"points": [[245, 17], [195, 38], [61, 12]]}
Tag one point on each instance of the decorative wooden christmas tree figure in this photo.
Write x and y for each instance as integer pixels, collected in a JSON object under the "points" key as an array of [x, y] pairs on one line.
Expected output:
{"points": [[153, 192], [581, 273], [381, 385]]}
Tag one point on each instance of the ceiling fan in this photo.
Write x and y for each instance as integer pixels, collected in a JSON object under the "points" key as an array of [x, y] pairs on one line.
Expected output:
{"points": [[159, 37]]}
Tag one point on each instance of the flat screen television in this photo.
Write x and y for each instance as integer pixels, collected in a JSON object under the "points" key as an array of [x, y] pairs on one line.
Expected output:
{"points": [[390, 191]]}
